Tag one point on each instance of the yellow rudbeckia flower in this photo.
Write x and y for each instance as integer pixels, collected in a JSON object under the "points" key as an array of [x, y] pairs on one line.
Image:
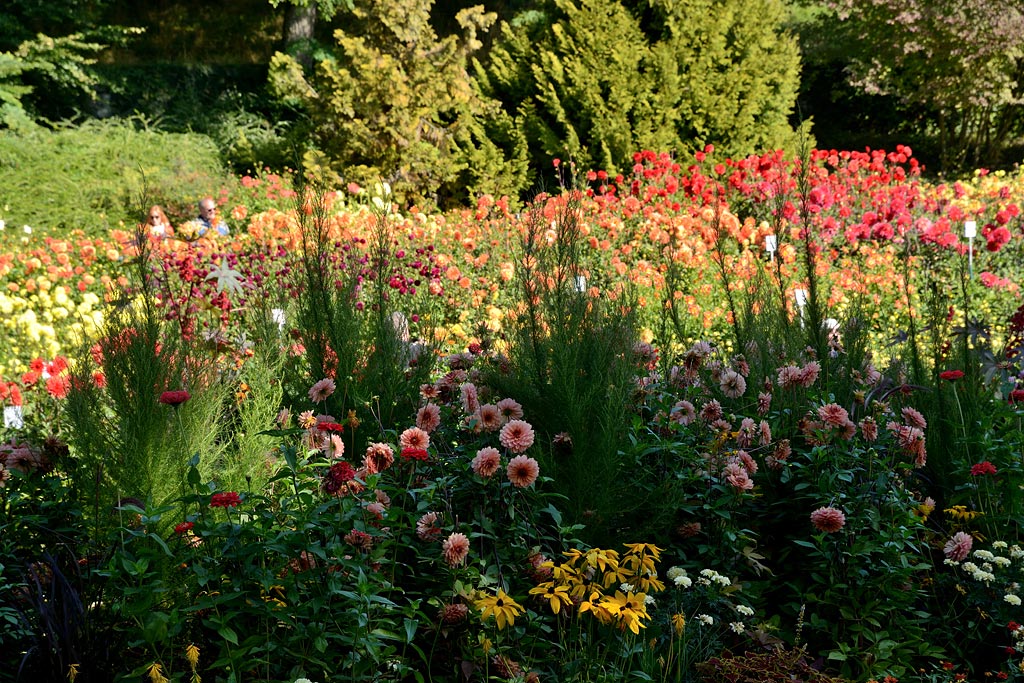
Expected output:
{"points": [[502, 607], [556, 596]]}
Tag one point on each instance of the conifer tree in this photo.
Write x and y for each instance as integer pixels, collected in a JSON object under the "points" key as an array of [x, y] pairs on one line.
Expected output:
{"points": [[582, 86], [738, 71], [601, 79], [396, 102]]}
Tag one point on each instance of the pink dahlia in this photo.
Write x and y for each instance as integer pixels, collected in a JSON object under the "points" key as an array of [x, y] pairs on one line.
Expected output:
{"points": [[914, 418], [711, 411], [428, 418], [682, 413], [522, 471], [516, 436], [958, 547], [379, 457], [470, 402], [764, 402], [738, 477], [510, 409], [732, 384], [809, 374], [321, 390], [486, 462], [414, 437], [833, 414], [869, 429], [427, 527], [455, 549], [490, 417], [828, 519]]}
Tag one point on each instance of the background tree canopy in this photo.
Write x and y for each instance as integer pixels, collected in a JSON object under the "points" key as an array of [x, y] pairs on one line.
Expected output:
{"points": [[451, 98]]}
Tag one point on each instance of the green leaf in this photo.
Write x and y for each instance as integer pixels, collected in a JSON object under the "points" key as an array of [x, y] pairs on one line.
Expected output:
{"points": [[410, 629], [228, 634]]}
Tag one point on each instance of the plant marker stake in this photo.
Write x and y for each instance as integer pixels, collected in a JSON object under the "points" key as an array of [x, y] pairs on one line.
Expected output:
{"points": [[970, 232], [770, 245], [800, 296]]}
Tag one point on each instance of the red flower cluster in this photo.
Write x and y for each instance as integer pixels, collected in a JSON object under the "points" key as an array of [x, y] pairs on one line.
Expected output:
{"points": [[174, 398], [226, 499], [1017, 396], [337, 476], [183, 527], [414, 454], [951, 375], [983, 468], [330, 427]]}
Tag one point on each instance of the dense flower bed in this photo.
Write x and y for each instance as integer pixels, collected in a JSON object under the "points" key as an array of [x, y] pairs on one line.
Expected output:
{"points": [[730, 418]]}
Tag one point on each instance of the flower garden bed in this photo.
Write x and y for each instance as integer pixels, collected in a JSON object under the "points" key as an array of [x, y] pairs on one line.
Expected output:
{"points": [[730, 420]]}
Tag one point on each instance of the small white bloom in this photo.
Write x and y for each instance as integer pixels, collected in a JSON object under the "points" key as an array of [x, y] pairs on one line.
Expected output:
{"points": [[710, 573], [950, 563], [705, 619], [683, 581], [703, 581], [744, 610], [27, 229], [1012, 599], [970, 567], [737, 627], [723, 580], [984, 555], [999, 545], [673, 572], [1002, 562], [649, 601], [1016, 552], [626, 587]]}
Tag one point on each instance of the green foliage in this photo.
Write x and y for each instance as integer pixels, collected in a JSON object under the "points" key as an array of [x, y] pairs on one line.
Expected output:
{"points": [[94, 176], [736, 71], [572, 364], [956, 65], [590, 81], [352, 327], [396, 103], [57, 65], [583, 85]]}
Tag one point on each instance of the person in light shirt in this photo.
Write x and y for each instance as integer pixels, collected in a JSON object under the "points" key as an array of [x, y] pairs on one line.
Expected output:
{"points": [[157, 222], [208, 219]]}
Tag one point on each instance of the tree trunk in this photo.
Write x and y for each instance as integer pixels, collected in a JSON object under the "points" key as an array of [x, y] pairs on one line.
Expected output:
{"points": [[299, 24]]}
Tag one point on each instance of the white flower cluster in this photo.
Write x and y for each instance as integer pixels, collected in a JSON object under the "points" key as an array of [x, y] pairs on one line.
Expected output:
{"points": [[982, 573], [677, 575], [706, 619], [710, 576], [744, 610]]}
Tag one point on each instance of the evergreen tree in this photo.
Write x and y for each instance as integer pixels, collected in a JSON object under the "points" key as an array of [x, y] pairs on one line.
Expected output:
{"points": [[583, 83], [737, 71], [601, 79], [397, 103]]}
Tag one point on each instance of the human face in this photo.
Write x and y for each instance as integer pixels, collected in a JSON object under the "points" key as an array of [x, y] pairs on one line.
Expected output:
{"points": [[154, 217], [207, 210]]}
